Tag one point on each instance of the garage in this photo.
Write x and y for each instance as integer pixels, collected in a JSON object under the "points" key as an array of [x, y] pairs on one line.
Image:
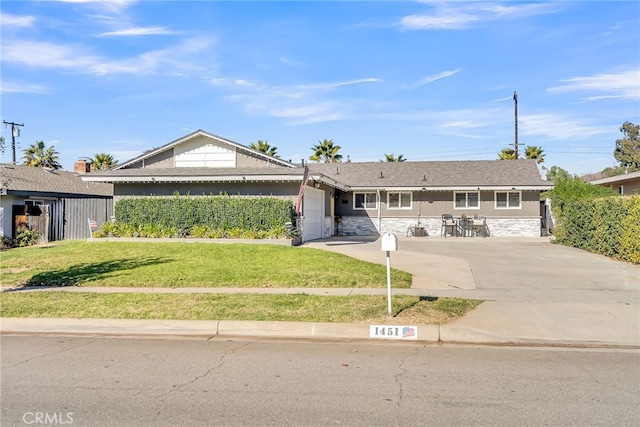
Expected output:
{"points": [[313, 211]]}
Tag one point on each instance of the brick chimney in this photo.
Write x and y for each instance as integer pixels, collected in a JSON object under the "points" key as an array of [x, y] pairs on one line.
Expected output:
{"points": [[82, 166]]}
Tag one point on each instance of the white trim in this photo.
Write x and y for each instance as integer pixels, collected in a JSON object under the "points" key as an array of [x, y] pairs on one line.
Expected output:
{"points": [[400, 207], [225, 178], [365, 208], [466, 200], [508, 207], [458, 188]]}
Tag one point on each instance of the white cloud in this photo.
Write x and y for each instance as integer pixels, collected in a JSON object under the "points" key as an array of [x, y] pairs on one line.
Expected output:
{"points": [[554, 126], [461, 15], [625, 84], [301, 103], [15, 87], [169, 61], [112, 6], [433, 78], [8, 20], [138, 31], [441, 21], [45, 54]]}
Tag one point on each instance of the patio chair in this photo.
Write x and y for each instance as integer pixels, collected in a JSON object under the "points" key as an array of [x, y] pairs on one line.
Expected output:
{"points": [[479, 225], [466, 227], [448, 225]]}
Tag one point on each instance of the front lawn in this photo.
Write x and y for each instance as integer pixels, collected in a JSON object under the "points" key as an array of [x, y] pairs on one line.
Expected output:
{"points": [[296, 307], [157, 264]]}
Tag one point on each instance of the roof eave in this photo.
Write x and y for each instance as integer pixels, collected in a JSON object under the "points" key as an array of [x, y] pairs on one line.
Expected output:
{"points": [[209, 178], [456, 188]]}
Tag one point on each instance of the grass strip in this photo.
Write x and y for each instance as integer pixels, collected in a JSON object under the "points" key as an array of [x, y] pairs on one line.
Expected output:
{"points": [[155, 264], [295, 307]]}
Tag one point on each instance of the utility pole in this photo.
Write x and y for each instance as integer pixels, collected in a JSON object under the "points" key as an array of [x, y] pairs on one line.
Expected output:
{"points": [[15, 131], [515, 106]]}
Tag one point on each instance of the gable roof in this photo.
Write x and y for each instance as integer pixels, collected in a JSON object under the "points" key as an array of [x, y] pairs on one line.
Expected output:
{"points": [[198, 133], [618, 179], [437, 175], [28, 180]]}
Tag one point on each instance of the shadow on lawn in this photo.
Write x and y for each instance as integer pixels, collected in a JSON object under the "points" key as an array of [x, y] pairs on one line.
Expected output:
{"points": [[87, 272], [421, 299]]}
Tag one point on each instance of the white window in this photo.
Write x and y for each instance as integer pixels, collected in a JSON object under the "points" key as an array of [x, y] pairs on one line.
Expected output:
{"points": [[399, 200], [621, 189], [508, 200], [466, 200], [363, 201]]}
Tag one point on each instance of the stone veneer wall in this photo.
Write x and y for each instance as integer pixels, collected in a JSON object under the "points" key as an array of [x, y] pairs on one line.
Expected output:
{"points": [[498, 227]]}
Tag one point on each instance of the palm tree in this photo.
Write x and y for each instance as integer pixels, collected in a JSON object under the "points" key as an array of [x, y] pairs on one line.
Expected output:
{"points": [[103, 161], [392, 158], [534, 152], [2, 144], [326, 151], [38, 155], [507, 154], [264, 147]]}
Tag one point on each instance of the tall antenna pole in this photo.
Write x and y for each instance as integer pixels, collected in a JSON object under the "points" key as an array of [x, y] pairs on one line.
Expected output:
{"points": [[515, 106], [15, 131]]}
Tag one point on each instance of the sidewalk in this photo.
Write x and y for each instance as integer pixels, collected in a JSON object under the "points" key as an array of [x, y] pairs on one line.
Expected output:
{"points": [[575, 299]]}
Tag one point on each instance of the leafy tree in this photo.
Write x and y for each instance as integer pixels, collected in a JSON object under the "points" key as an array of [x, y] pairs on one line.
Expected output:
{"points": [[326, 151], [38, 155], [264, 147], [2, 144], [556, 173], [534, 152], [507, 154], [572, 187], [103, 161], [392, 158], [627, 151]]}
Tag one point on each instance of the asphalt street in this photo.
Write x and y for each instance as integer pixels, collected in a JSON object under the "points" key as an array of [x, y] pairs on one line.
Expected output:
{"points": [[148, 382]]}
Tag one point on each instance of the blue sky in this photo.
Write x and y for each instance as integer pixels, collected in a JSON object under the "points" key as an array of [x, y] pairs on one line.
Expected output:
{"points": [[428, 80]]}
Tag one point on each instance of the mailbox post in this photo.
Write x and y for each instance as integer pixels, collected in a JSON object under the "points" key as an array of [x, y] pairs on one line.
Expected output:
{"points": [[389, 244]]}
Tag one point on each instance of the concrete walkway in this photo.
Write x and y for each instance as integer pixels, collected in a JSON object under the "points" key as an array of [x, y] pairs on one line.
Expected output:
{"points": [[536, 293]]}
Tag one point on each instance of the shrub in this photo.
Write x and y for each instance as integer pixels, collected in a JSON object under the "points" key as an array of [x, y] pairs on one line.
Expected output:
{"points": [[202, 217]]}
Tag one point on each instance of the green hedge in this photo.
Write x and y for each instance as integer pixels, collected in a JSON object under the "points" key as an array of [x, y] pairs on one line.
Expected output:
{"points": [[180, 215], [605, 225]]}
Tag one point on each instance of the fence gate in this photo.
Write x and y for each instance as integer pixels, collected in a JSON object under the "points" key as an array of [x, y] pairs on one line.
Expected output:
{"points": [[33, 217]]}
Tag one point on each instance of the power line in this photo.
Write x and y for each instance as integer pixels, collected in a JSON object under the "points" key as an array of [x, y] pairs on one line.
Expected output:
{"points": [[15, 131]]}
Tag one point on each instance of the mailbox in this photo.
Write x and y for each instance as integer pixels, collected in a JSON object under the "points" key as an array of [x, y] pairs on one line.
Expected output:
{"points": [[389, 242]]}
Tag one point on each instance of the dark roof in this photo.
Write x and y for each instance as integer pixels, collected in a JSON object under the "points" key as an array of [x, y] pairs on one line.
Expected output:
{"points": [[520, 174], [445, 174], [28, 179]]}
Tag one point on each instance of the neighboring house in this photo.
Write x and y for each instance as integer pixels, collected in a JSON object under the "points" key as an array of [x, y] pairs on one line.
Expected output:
{"points": [[342, 198], [628, 183], [57, 204]]}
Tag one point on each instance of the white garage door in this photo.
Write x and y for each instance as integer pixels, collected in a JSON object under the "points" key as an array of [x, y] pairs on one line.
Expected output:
{"points": [[313, 211]]}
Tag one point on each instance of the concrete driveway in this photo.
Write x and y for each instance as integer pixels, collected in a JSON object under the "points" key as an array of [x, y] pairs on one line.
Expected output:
{"points": [[501, 269], [534, 291]]}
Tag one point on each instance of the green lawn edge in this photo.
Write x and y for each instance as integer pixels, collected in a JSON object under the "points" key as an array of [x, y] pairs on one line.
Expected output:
{"points": [[256, 307]]}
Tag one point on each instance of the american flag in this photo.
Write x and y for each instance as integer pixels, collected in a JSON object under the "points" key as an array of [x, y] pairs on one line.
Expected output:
{"points": [[408, 331], [305, 178], [93, 223]]}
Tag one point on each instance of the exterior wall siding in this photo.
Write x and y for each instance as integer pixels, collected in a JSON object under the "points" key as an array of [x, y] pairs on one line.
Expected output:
{"points": [[207, 189]]}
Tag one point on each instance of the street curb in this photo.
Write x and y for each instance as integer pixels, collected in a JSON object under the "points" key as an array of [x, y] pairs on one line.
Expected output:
{"points": [[308, 331]]}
